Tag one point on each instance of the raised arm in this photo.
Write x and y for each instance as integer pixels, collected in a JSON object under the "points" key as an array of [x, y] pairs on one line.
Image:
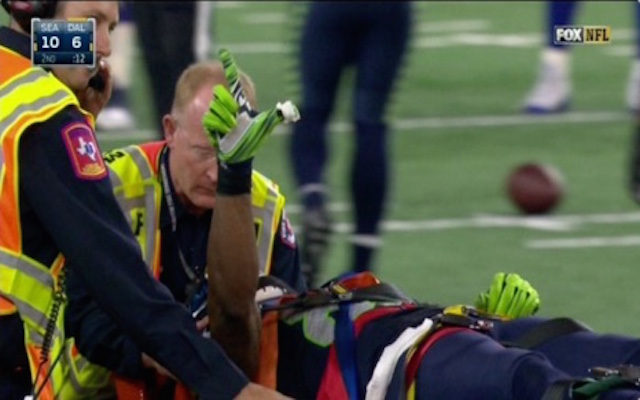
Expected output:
{"points": [[237, 133]]}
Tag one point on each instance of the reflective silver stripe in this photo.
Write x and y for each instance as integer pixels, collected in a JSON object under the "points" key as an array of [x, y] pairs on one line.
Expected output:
{"points": [[13, 262], [141, 162], [129, 203], [1, 163], [35, 337], [146, 173], [81, 362], [267, 215], [29, 77], [43, 277], [113, 177], [25, 309], [73, 378], [32, 107], [150, 221], [147, 201]]}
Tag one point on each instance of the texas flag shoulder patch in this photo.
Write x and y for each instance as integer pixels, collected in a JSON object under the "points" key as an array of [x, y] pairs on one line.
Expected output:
{"points": [[84, 151]]}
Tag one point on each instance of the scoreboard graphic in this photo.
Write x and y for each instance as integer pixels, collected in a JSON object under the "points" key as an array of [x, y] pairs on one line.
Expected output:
{"points": [[69, 42]]}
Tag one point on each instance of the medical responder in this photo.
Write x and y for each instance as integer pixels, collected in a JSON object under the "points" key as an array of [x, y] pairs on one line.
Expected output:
{"points": [[167, 190], [56, 203]]}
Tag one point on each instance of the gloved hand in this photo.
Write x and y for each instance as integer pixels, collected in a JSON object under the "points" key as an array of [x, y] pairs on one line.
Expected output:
{"points": [[509, 296], [234, 129]]}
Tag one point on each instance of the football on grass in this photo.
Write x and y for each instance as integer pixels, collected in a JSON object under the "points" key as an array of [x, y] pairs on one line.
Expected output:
{"points": [[535, 188]]}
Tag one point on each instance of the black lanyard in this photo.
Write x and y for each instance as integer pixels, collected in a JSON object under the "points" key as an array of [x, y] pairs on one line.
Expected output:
{"points": [[194, 279]]}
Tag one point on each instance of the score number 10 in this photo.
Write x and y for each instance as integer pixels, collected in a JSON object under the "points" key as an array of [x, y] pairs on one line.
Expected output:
{"points": [[63, 42]]}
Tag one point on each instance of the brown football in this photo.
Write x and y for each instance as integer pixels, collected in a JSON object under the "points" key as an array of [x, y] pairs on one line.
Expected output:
{"points": [[535, 188]]}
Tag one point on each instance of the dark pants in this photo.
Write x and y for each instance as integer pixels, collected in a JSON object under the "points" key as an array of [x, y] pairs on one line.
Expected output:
{"points": [[166, 35], [472, 365], [15, 377], [373, 37], [470, 362]]}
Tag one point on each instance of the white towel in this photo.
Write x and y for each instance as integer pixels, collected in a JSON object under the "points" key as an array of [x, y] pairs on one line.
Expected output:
{"points": [[383, 372]]}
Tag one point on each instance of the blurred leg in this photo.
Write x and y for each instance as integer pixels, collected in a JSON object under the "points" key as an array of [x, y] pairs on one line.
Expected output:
{"points": [[118, 114], [380, 56], [633, 86], [325, 50], [167, 50], [552, 90], [559, 13]]}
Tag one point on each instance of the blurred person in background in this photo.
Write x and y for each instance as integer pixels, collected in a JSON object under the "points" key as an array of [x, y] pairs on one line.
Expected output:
{"points": [[374, 38], [118, 115], [552, 90], [173, 35]]}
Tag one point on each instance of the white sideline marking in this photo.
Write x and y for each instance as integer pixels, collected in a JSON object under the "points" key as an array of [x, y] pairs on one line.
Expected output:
{"points": [[230, 4], [431, 41], [266, 18], [544, 223], [587, 242], [621, 50], [409, 124], [458, 26], [293, 209]]}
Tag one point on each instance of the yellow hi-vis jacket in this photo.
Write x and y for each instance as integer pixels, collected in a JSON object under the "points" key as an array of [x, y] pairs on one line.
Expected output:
{"points": [[134, 174], [30, 96]]}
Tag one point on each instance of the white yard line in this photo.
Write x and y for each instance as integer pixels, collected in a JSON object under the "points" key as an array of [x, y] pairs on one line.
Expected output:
{"points": [[561, 223], [457, 26], [409, 124], [265, 18], [231, 4], [585, 242], [433, 40]]}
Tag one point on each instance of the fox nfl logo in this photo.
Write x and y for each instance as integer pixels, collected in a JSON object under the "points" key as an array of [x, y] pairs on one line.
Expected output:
{"points": [[571, 34]]}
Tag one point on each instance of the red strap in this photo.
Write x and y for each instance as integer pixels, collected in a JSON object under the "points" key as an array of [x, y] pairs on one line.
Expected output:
{"points": [[414, 362], [332, 385]]}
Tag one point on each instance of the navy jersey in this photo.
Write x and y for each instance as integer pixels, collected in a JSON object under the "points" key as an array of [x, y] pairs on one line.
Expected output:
{"points": [[300, 345]]}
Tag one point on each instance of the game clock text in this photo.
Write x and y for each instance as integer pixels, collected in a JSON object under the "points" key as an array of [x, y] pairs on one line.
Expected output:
{"points": [[67, 42]]}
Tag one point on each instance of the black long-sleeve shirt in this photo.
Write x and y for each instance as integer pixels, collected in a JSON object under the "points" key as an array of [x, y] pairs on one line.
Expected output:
{"points": [[62, 212], [103, 343]]}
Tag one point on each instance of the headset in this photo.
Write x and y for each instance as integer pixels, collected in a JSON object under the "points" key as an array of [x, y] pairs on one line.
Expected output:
{"points": [[22, 10]]}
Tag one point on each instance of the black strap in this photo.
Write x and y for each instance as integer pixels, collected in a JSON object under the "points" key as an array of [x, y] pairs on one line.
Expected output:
{"points": [[546, 331], [380, 292]]}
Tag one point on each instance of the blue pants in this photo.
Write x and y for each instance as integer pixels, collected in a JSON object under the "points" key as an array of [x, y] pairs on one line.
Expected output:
{"points": [[372, 37], [473, 364]]}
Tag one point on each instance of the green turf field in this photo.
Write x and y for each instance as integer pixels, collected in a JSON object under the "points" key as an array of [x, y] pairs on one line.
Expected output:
{"points": [[458, 131]]}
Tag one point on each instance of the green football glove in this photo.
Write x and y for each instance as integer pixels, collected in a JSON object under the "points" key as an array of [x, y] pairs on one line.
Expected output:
{"points": [[234, 129], [509, 296]]}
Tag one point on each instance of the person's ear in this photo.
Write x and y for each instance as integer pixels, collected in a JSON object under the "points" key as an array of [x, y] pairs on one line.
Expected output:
{"points": [[170, 127]]}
